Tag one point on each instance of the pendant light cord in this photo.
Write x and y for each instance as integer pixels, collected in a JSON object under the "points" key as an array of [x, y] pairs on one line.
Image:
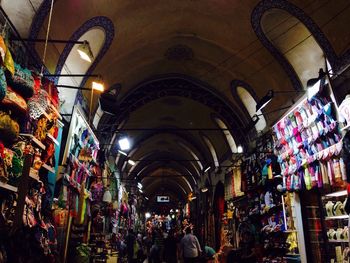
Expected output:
{"points": [[46, 39]]}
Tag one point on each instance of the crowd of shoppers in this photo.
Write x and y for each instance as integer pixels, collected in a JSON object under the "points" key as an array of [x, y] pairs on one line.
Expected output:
{"points": [[159, 246]]}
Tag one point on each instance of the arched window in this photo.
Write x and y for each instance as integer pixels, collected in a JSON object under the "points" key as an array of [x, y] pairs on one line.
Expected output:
{"points": [[212, 150], [294, 39], [231, 142], [250, 104], [295, 42]]}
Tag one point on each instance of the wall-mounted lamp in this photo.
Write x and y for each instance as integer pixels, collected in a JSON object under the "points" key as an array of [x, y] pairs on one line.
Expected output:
{"points": [[98, 85], [313, 85], [85, 52], [269, 96], [311, 82], [83, 49], [264, 100]]}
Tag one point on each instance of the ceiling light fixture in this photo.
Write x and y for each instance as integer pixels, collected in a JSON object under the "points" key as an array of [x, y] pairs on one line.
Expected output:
{"points": [[207, 169], [123, 153], [85, 52], [124, 144], [239, 149], [131, 162], [148, 215], [139, 185]]}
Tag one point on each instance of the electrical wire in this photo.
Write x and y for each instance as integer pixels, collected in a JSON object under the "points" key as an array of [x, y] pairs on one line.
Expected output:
{"points": [[215, 68], [46, 39]]}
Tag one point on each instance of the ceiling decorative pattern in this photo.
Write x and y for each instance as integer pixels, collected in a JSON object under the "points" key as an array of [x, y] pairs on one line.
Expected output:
{"points": [[179, 53]]}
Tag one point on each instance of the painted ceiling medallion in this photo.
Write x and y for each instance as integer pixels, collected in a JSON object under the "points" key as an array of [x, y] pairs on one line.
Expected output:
{"points": [[179, 53]]}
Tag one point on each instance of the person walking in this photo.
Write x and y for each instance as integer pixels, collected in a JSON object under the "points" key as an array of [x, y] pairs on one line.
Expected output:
{"points": [[130, 240], [170, 248], [190, 247]]}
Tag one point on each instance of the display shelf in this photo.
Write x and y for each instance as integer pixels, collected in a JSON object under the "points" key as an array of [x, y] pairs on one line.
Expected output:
{"points": [[35, 140], [337, 194], [8, 187], [52, 139], [338, 241], [337, 217]]}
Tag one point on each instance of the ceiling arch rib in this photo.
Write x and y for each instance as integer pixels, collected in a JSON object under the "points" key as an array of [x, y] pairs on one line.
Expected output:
{"points": [[145, 169], [183, 86], [212, 150], [185, 138], [192, 153], [230, 141], [171, 185], [250, 104], [166, 157]]}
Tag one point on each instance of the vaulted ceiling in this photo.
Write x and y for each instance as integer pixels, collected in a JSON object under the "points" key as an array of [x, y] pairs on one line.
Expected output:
{"points": [[175, 63]]}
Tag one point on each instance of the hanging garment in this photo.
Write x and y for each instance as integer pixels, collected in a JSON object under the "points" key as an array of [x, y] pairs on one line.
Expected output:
{"points": [[237, 179], [344, 110], [346, 155]]}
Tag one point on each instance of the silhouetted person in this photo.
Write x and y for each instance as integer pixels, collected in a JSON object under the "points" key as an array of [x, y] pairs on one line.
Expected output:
{"points": [[170, 248], [130, 240]]}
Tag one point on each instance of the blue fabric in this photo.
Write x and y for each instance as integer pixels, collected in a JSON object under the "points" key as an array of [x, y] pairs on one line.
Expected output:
{"points": [[3, 84]]}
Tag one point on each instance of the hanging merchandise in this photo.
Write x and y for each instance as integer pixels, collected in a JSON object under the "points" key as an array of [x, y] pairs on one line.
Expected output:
{"points": [[24, 167], [308, 143], [344, 111], [22, 81], [83, 181]]}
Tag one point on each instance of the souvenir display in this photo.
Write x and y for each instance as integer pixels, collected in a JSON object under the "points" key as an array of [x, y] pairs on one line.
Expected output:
{"points": [[308, 143], [26, 157]]}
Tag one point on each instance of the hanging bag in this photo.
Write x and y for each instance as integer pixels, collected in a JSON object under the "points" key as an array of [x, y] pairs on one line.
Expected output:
{"points": [[15, 101], [9, 129], [22, 81], [3, 84]]}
